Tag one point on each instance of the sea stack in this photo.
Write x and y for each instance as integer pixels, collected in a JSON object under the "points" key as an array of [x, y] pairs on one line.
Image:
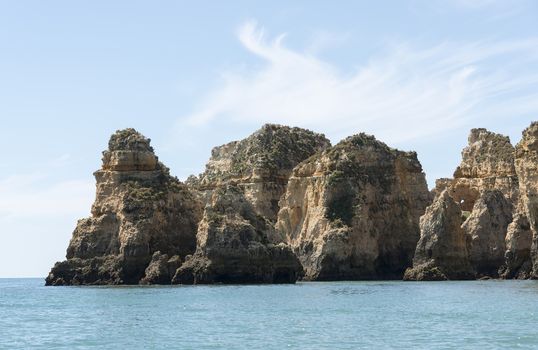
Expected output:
{"points": [[139, 210]]}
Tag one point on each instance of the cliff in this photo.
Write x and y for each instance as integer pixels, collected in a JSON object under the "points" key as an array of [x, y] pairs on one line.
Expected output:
{"points": [[241, 187], [495, 187], [352, 211], [139, 210], [283, 204], [259, 165], [525, 226], [487, 164]]}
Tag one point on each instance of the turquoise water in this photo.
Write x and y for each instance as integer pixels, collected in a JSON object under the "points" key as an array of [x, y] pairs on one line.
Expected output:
{"points": [[332, 315]]}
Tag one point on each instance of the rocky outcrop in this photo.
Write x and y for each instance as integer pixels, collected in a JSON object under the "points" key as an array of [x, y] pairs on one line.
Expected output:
{"points": [[161, 269], [441, 252], [527, 170], [486, 230], [237, 245], [352, 211], [241, 187], [487, 164], [283, 204], [139, 210], [518, 240], [259, 165]]}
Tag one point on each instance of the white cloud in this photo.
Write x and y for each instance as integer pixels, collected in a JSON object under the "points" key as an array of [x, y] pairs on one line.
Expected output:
{"points": [[400, 94]]}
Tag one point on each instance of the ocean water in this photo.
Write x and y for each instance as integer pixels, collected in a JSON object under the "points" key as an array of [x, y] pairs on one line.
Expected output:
{"points": [[330, 315]]}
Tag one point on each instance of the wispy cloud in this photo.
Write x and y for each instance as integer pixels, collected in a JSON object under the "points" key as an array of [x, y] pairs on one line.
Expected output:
{"points": [[399, 94]]}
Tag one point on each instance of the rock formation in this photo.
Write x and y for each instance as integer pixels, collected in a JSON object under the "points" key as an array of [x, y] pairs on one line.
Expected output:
{"points": [[241, 187], [526, 164], [259, 165], [352, 211], [518, 240], [139, 210], [236, 245], [486, 230], [487, 164], [441, 252], [283, 204]]}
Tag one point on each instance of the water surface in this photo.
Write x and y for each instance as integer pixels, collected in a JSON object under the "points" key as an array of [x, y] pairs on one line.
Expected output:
{"points": [[330, 315]]}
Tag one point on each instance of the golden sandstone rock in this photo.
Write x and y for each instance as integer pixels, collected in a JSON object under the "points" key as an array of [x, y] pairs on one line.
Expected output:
{"points": [[283, 204]]}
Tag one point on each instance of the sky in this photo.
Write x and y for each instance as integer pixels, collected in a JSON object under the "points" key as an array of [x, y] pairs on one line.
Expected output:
{"points": [[193, 75]]}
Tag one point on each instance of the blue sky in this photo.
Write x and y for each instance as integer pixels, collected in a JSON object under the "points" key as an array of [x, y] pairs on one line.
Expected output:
{"points": [[193, 75]]}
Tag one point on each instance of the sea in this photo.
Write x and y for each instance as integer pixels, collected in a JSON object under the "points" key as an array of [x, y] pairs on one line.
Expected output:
{"points": [[308, 315]]}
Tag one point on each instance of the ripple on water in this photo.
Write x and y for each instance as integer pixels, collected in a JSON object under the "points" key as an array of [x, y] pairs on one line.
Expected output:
{"points": [[331, 315]]}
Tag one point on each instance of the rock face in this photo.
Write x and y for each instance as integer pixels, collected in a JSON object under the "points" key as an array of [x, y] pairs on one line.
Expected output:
{"points": [[486, 230], [527, 170], [487, 164], [259, 165], [139, 210], [237, 245], [241, 187], [283, 204], [161, 269], [352, 211], [518, 248], [441, 252]]}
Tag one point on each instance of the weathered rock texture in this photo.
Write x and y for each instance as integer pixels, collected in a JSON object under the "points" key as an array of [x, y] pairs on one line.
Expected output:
{"points": [[441, 252], [259, 165], [527, 170], [487, 164], [486, 230], [237, 245], [241, 187], [139, 210], [352, 211], [518, 248]]}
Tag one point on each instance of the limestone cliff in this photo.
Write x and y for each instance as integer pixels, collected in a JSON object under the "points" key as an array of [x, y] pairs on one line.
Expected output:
{"points": [[352, 211], [241, 187], [441, 252], [487, 164], [259, 165], [486, 230], [527, 170], [236, 245], [139, 209], [486, 188]]}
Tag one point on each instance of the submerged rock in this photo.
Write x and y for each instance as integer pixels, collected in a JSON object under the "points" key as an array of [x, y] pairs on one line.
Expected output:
{"points": [[441, 252], [352, 211], [139, 209]]}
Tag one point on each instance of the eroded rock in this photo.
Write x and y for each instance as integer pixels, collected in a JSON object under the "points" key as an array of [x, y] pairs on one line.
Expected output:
{"points": [[139, 209], [161, 269], [527, 170], [486, 228], [441, 252], [352, 211], [259, 165], [237, 245], [487, 164]]}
